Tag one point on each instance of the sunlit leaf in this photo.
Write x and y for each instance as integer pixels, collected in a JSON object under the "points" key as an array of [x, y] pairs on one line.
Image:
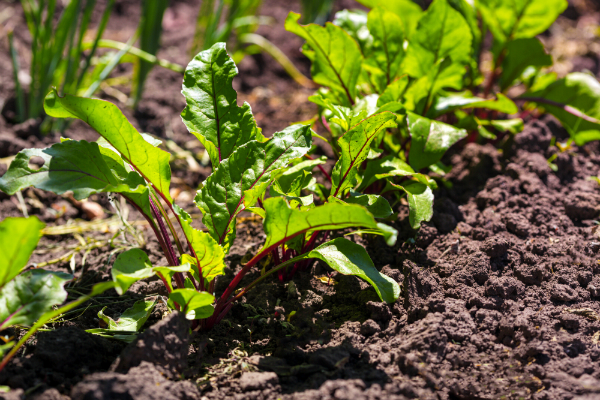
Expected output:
{"points": [[18, 239], [349, 258], [212, 113]]}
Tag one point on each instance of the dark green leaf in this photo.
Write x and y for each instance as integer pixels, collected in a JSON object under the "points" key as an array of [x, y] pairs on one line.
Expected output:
{"points": [[18, 239], [336, 57], [430, 140], [522, 53], [249, 168], [212, 113], [24, 299], [355, 145], [76, 166], [349, 258], [151, 162]]}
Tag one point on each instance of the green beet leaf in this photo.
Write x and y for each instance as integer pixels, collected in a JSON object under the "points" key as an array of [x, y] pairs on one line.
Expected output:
{"points": [[381, 168], [420, 200], [349, 258], [151, 162], [388, 47], [130, 267], [77, 166], [442, 33], [376, 205], [408, 11], [394, 91], [293, 173], [430, 140], [466, 101], [195, 305], [355, 146], [18, 239], [521, 54], [134, 265], [209, 255], [132, 319], [336, 57], [581, 92], [212, 113], [283, 223], [249, 168], [515, 19], [27, 297]]}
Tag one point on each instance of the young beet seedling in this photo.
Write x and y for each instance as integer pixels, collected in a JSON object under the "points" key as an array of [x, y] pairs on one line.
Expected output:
{"points": [[245, 165]]}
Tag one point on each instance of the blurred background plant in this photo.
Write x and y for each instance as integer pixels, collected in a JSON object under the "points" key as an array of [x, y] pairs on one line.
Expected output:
{"points": [[64, 49], [57, 53]]}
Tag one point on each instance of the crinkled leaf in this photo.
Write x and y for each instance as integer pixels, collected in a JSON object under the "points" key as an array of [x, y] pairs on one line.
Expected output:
{"points": [[151, 162], [283, 223], [349, 258], [195, 305], [355, 146], [336, 57], [408, 11], [212, 113], [387, 52], [517, 19], [249, 167], [430, 140], [31, 294], [76, 166], [385, 167], [210, 256], [442, 34], [466, 101], [375, 204], [581, 92], [132, 319], [521, 54], [18, 239]]}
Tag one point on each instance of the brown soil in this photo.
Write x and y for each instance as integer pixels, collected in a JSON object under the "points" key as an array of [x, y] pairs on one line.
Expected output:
{"points": [[500, 291]]}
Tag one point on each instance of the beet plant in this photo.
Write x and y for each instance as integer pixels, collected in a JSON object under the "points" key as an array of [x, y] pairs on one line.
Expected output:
{"points": [[425, 67], [245, 166]]}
